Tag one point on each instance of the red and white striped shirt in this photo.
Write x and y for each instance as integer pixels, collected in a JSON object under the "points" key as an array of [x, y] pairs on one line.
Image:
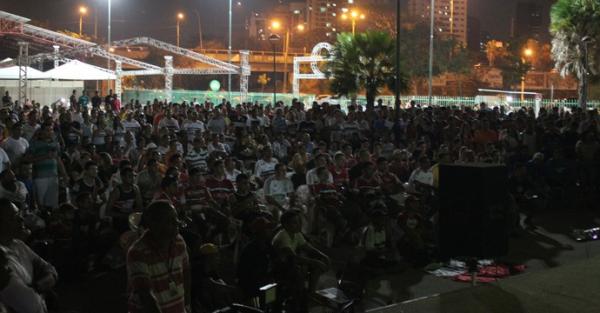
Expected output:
{"points": [[161, 273]]}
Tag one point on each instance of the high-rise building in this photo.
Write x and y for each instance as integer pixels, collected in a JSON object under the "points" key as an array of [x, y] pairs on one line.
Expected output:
{"points": [[450, 17], [528, 20], [323, 15]]}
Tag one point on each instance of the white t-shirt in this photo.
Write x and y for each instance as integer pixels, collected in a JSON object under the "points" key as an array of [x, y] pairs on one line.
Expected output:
{"points": [[421, 176], [132, 126], [312, 178], [278, 189], [191, 127], [170, 123], [3, 160], [264, 169], [232, 176], [15, 148]]}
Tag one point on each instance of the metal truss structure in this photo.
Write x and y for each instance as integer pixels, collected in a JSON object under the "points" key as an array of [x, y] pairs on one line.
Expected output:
{"points": [[15, 25], [23, 61], [218, 67], [314, 59]]}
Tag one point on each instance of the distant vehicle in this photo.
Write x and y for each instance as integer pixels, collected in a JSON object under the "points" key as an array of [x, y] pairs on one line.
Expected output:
{"points": [[333, 100]]}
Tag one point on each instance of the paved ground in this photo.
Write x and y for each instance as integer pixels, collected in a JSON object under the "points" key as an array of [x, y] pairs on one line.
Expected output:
{"points": [[548, 247]]}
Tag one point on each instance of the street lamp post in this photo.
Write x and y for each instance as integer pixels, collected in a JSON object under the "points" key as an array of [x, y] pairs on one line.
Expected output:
{"points": [[109, 39], [275, 26], [527, 53], [230, 18], [82, 12], [431, 35], [273, 39], [180, 17], [354, 15], [397, 85]]}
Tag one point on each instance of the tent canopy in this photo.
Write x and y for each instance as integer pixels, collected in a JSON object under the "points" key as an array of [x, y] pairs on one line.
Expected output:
{"points": [[12, 72], [76, 70]]}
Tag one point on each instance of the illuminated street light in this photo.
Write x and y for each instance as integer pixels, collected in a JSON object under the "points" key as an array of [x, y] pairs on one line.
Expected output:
{"points": [[180, 18], [300, 27], [82, 11], [527, 53], [275, 25], [354, 15]]}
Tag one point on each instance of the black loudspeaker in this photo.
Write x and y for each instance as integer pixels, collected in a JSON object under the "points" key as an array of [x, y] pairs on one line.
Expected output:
{"points": [[474, 210]]}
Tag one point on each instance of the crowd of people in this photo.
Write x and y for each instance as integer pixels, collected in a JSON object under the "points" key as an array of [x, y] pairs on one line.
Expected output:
{"points": [[165, 189]]}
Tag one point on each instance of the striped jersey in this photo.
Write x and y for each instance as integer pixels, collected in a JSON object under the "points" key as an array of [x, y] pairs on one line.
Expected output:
{"points": [[161, 273]]}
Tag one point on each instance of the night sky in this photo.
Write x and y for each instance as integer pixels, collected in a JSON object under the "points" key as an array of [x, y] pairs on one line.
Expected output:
{"points": [[156, 18]]}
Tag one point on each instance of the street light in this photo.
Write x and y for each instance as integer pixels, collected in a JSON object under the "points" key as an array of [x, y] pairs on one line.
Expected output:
{"points": [[275, 26], [354, 15], [180, 18], [527, 53], [274, 38], [82, 12]]}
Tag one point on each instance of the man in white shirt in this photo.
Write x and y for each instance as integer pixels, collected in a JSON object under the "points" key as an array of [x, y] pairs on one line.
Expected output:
{"points": [[168, 122], [193, 126], [312, 177], [279, 189], [265, 167], [131, 125], [422, 175], [15, 145]]}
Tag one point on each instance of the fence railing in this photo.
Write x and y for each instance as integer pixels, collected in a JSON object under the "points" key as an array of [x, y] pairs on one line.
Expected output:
{"points": [[307, 99]]}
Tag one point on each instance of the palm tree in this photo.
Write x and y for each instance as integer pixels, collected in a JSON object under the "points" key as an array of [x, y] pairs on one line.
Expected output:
{"points": [[364, 61], [575, 26]]}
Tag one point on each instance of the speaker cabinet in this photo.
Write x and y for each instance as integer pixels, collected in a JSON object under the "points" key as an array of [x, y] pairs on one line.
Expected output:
{"points": [[473, 216]]}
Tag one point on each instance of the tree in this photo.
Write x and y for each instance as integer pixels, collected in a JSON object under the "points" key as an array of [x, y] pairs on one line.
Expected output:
{"points": [[364, 61], [575, 26]]}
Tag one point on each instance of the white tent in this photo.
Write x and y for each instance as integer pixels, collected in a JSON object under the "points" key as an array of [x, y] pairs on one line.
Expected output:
{"points": [[76, 70], [12, 72]]}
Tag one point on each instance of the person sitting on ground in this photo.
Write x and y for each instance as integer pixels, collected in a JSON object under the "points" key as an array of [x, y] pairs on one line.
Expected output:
{"points": [[379, 252], [296, 256], [254, 267], [329, 201], [211, 292], [124, 199], [279, 190]]}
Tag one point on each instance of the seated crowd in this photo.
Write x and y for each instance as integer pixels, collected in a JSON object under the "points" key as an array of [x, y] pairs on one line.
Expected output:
{"points": [[170, 189]]}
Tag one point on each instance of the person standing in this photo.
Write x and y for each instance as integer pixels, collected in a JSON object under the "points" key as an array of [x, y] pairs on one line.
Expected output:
{"points": [[158, 270], [83, 101], [15, 145], [43, 153], [96, 100]]}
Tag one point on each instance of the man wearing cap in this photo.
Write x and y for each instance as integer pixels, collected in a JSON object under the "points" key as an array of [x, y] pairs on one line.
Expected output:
{"points": [[158, 269]]}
